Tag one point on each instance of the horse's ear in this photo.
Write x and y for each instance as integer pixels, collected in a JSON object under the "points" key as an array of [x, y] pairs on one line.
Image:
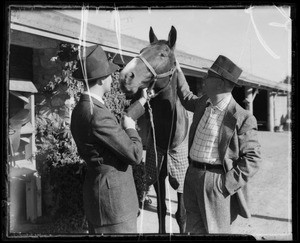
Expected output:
{"points": [[172, 37], [152, 36]]}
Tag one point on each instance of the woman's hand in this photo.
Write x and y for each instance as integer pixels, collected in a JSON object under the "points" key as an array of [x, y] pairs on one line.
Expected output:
{"points": [[128, 122], [146, 96]]}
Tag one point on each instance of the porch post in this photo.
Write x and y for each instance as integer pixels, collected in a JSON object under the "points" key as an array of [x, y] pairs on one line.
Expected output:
{"points": [[271, 114], [248, 99], [288, 120]]}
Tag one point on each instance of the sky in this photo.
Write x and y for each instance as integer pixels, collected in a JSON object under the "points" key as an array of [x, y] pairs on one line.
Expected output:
{"points": [[258, 38]]}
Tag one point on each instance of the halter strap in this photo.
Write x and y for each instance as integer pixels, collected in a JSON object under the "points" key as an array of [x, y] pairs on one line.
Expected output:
{"points": [[155, 75], [148, 65]]}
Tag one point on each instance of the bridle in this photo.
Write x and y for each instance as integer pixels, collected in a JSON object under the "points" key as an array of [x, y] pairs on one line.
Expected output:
{"points": [[157, 76]]}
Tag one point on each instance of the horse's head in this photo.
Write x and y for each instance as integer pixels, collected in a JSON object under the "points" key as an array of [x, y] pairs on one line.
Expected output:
{"points": [[151, 67]]}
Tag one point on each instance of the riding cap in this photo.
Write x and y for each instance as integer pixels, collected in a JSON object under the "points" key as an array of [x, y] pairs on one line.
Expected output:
{"points": [[225, 68], [94, 59]]}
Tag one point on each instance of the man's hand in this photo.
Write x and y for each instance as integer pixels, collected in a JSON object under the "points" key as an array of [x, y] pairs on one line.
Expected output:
{"points": [[146, 96], [221, 185], [128, 122]]}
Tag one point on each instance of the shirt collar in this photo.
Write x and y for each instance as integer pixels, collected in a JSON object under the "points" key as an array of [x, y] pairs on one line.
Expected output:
{"points": [[222, 103], [97, 97]]}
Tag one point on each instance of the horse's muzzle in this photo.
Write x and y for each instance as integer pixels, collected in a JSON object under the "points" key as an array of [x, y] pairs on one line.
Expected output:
{"points": [[129, 93]]}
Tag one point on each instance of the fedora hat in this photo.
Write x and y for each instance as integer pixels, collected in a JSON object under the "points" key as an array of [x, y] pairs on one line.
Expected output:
{"points": [[96, 64], [225, 68]]}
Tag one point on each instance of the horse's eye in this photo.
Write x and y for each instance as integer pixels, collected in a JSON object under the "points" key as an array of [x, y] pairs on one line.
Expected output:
{"points": [[162, 54]]}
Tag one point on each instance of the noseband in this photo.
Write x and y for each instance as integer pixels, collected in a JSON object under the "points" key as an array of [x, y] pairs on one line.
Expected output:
{"points": [[157, 76]]}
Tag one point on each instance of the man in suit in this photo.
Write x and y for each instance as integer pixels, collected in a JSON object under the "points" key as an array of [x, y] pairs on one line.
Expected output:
{"points": [[108, 148], [224, 152]]}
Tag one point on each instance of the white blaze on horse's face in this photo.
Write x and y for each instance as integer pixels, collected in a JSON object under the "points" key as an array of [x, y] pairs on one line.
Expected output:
{"points": [[159, 54]]}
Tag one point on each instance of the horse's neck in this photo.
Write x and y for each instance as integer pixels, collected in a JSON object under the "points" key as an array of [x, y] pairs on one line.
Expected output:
{"points": [[168, 113], [164, 102], [163, 107]]}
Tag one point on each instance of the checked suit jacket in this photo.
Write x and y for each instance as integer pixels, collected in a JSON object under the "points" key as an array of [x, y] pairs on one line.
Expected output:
{"points": [[109, 192], [239, 149]]}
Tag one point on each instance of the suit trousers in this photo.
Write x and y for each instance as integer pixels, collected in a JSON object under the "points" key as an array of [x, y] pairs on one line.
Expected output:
{"points": [[208, 210], [128, 226]]}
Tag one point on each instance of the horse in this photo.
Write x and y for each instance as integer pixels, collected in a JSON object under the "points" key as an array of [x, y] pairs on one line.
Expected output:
{"points": [[155, 68]]}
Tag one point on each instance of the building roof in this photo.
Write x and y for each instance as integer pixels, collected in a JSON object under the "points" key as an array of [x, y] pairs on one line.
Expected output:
{"points": [[55, 25]]}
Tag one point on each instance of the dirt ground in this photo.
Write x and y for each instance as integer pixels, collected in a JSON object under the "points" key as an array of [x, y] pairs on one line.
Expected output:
{"points": [[271, 191], [270, 197]]}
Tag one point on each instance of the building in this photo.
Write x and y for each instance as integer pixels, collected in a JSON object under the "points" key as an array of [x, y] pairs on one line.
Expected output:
{"points": [[34, 37]]}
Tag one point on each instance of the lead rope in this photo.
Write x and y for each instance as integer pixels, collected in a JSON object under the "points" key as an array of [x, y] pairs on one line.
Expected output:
{"points": [[158, 167], [155, 152], [169, 193], [156, 162], [143, 206]]}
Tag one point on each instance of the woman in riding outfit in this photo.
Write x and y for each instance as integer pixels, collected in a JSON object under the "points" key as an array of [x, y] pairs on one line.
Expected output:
{"points": [[109, 149]]}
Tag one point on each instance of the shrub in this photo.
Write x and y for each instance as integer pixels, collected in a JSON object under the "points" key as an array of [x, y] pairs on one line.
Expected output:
{"points": [[58, 162]]}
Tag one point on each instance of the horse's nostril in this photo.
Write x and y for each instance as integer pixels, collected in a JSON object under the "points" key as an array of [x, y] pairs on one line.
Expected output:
{"points": [[130, 75]]}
